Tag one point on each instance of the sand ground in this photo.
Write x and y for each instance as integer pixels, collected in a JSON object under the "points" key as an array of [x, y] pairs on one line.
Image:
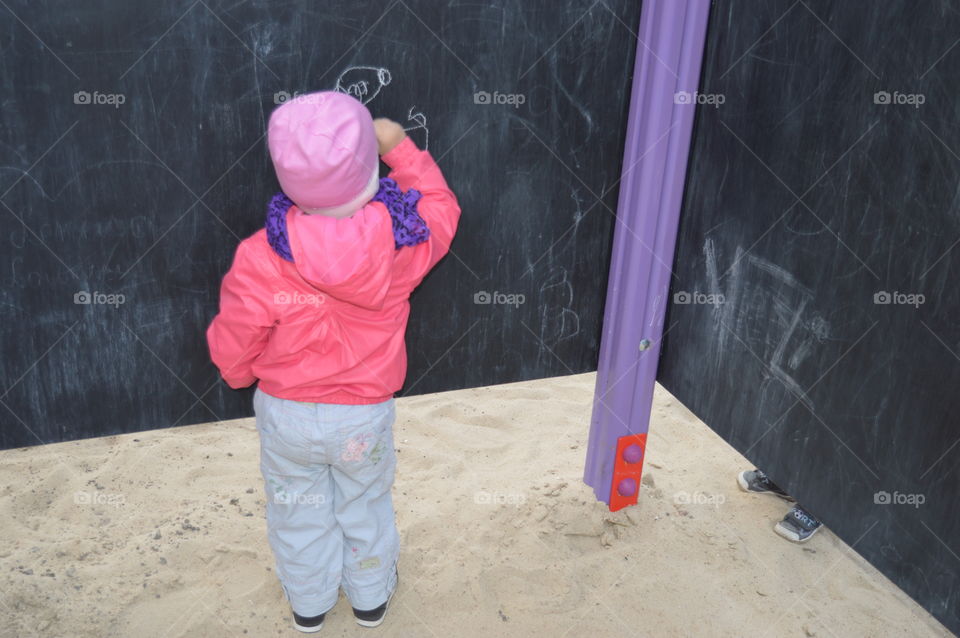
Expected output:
{"points": [[162, 534]]}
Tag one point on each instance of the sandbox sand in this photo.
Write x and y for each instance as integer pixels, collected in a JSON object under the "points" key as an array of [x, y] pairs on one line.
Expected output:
{"points": [[162, 534]]}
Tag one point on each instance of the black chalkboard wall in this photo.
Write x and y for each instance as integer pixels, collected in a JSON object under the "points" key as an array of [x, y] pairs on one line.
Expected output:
{"points": [[821, 202], [132, 161]]}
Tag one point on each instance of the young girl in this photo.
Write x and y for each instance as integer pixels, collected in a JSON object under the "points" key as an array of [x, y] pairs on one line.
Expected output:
{"points": [[315, 307]]}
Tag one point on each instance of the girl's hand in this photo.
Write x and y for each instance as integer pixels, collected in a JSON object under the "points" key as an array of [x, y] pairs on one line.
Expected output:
{"points": [[389, 134]]}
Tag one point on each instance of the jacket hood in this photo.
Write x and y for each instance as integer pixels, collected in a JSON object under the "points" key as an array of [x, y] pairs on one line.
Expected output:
{"points": [[350, 259]]}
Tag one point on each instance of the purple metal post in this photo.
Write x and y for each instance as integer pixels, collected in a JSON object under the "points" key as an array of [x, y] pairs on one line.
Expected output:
{"points": [[666, 76]]}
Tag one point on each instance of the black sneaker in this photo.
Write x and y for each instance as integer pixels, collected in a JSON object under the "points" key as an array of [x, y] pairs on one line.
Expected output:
{"points": [[798, 526], [374, 617], [757, 482], [309, 625]]}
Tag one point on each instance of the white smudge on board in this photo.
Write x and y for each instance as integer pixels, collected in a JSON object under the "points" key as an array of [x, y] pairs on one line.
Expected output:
{"points": [[791, 338]]}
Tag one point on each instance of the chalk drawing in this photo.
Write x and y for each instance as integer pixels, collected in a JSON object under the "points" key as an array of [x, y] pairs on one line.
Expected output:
{"points": [[363, 82], [420, 123], [557, 323]]}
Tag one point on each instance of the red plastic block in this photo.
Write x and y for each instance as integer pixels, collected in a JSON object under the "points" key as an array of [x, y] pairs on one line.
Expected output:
{"points": [[627, 468]]}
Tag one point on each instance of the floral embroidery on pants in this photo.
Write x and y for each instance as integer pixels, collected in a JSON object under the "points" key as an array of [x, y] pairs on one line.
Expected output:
{"points": [[356, 446]]}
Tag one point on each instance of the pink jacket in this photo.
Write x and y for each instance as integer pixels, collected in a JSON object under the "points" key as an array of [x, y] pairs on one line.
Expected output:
{"points": [[329, 327]]}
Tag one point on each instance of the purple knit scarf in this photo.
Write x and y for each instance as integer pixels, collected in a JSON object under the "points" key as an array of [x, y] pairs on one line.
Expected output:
{"points": [[409, 229]]}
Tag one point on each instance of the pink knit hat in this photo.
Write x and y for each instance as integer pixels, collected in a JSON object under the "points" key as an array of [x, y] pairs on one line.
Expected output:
{"points": [[324, 150]]}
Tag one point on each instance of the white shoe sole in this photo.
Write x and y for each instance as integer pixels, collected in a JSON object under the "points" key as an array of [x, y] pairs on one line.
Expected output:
{"points": [[790, 535], [377, 623], [307, 630], [372, 623], [311, 630], [742, 482]]}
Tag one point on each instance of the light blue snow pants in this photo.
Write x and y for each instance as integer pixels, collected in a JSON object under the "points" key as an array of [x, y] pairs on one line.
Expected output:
{"points": [[327, 472]]}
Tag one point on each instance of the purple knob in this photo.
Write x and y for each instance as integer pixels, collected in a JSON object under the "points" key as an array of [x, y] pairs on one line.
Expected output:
{"points": [[632, 453], [627, 487]]}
